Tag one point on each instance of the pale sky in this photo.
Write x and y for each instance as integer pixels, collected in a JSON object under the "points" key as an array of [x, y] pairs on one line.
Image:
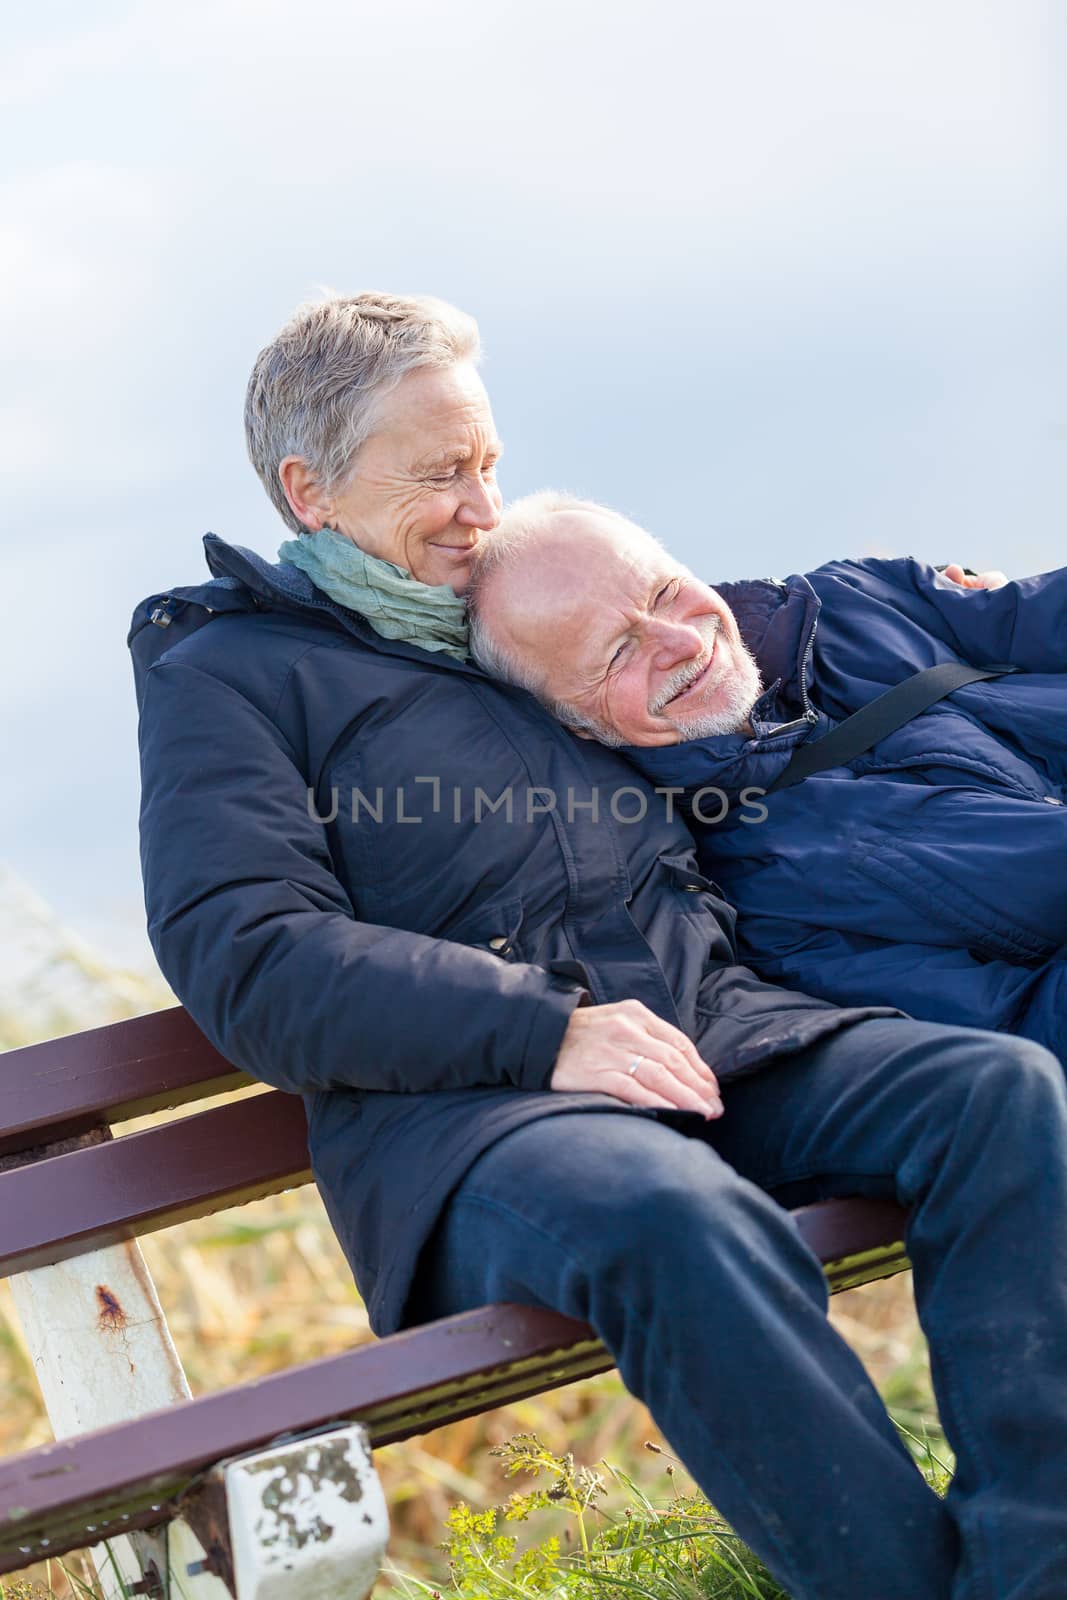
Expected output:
{"points": [[783, 279]]}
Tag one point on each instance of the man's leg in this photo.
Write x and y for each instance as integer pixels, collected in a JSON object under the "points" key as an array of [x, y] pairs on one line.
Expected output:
{"points": [[714, 1309], [970, 1130]]}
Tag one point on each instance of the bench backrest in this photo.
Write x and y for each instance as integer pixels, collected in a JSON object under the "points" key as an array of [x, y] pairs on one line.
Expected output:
{"points": [[93, 1190], [67, 1186]]}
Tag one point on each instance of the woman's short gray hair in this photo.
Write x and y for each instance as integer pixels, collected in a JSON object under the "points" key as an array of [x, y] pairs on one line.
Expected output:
{"points": [[315, 389]]}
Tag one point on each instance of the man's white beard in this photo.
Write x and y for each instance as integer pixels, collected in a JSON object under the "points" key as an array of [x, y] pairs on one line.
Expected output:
{"points": [[735, 692]]}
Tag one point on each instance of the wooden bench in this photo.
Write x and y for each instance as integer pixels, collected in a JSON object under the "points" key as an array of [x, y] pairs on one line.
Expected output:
{"points": [[135, 1451]]}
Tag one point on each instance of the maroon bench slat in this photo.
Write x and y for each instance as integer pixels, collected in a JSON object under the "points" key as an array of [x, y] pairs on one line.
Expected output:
{"points": [[128, 1477], [64, 1087], [106, 1193], [855, 1239], [65, 1204]]}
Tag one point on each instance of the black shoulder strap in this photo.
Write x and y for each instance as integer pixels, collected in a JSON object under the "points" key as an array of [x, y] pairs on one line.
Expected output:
{"points": [[878, 719]]}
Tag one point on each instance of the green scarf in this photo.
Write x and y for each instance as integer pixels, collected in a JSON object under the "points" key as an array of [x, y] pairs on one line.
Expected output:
{"points": [[395, 604]]}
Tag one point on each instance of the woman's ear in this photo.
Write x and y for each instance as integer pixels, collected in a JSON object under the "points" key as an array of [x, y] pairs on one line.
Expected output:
{"points": [[306, 499]]}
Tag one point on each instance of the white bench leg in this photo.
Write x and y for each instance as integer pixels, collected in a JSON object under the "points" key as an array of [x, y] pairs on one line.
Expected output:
{"points": [[308, 1519], [103, 1353]]}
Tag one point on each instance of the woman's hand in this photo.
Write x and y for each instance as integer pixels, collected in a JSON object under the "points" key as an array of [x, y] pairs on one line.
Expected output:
{"points": [[602, 1045], [975, 580]]}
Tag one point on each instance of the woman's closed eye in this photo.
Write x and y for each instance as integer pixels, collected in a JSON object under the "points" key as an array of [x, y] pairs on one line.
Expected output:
{"points": [[448, 475]]}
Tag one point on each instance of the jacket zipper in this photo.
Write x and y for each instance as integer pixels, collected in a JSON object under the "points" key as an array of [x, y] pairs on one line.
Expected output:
{"points": [[811, 716], [810, 713]]}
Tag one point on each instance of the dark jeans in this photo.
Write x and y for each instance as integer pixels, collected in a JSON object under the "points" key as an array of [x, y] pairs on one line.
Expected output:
{"points": [[659, 1232]]}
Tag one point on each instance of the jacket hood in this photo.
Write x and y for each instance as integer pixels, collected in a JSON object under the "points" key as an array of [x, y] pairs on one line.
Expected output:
{"points": [[280, 585], [777, 622], [268, 580]]}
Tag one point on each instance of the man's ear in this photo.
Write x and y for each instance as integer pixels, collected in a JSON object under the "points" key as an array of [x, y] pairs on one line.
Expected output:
{"points": [[304, 493]]}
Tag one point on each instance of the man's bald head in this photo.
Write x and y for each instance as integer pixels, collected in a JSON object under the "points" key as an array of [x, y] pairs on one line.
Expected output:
{"points": [[524, 579], [587, 611]]}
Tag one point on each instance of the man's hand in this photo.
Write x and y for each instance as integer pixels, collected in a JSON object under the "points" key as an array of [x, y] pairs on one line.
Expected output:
{"points": [[602, 1043], [976, 580]]}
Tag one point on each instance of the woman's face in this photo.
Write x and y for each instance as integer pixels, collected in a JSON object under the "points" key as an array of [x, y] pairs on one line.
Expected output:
{"points": [[424, 490]]}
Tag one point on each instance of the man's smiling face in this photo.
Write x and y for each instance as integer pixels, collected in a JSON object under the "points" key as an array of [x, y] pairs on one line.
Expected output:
{"points": [[621, 633]]}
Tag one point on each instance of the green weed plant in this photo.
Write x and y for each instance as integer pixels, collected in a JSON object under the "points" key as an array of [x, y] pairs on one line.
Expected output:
{"points": [[615, 1546], [682, 1550]]}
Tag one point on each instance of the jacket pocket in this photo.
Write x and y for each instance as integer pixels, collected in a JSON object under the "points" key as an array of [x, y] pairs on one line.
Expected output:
{"points": [[685, 876], [704, 905]]}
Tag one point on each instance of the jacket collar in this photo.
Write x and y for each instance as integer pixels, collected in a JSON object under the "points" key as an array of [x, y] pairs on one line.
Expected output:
{"points": [[777, 622], [278, 585]]}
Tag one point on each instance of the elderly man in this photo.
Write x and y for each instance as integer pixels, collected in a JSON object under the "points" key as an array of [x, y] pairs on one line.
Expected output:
{"points": [[358, 886], [937, 883]]}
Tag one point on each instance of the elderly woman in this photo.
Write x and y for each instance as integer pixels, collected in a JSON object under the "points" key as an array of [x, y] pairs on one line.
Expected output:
{"points": [[382, 880]]}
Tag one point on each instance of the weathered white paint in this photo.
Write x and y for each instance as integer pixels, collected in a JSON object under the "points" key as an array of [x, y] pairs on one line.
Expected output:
{"points": [[308, 1519], [101, 1347], [103, 1353]]}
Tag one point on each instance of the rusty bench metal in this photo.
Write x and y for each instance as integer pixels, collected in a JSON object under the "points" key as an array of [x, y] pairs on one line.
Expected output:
{"points": [[71, 1192]]}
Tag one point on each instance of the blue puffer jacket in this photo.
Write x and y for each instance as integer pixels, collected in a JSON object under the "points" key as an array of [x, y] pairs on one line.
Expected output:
{"points": [[930, 874], [405, 946]]}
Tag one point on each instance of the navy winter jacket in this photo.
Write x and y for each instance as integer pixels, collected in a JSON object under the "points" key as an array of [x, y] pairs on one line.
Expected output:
{"points": [[931, 873], [405, 944]]}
